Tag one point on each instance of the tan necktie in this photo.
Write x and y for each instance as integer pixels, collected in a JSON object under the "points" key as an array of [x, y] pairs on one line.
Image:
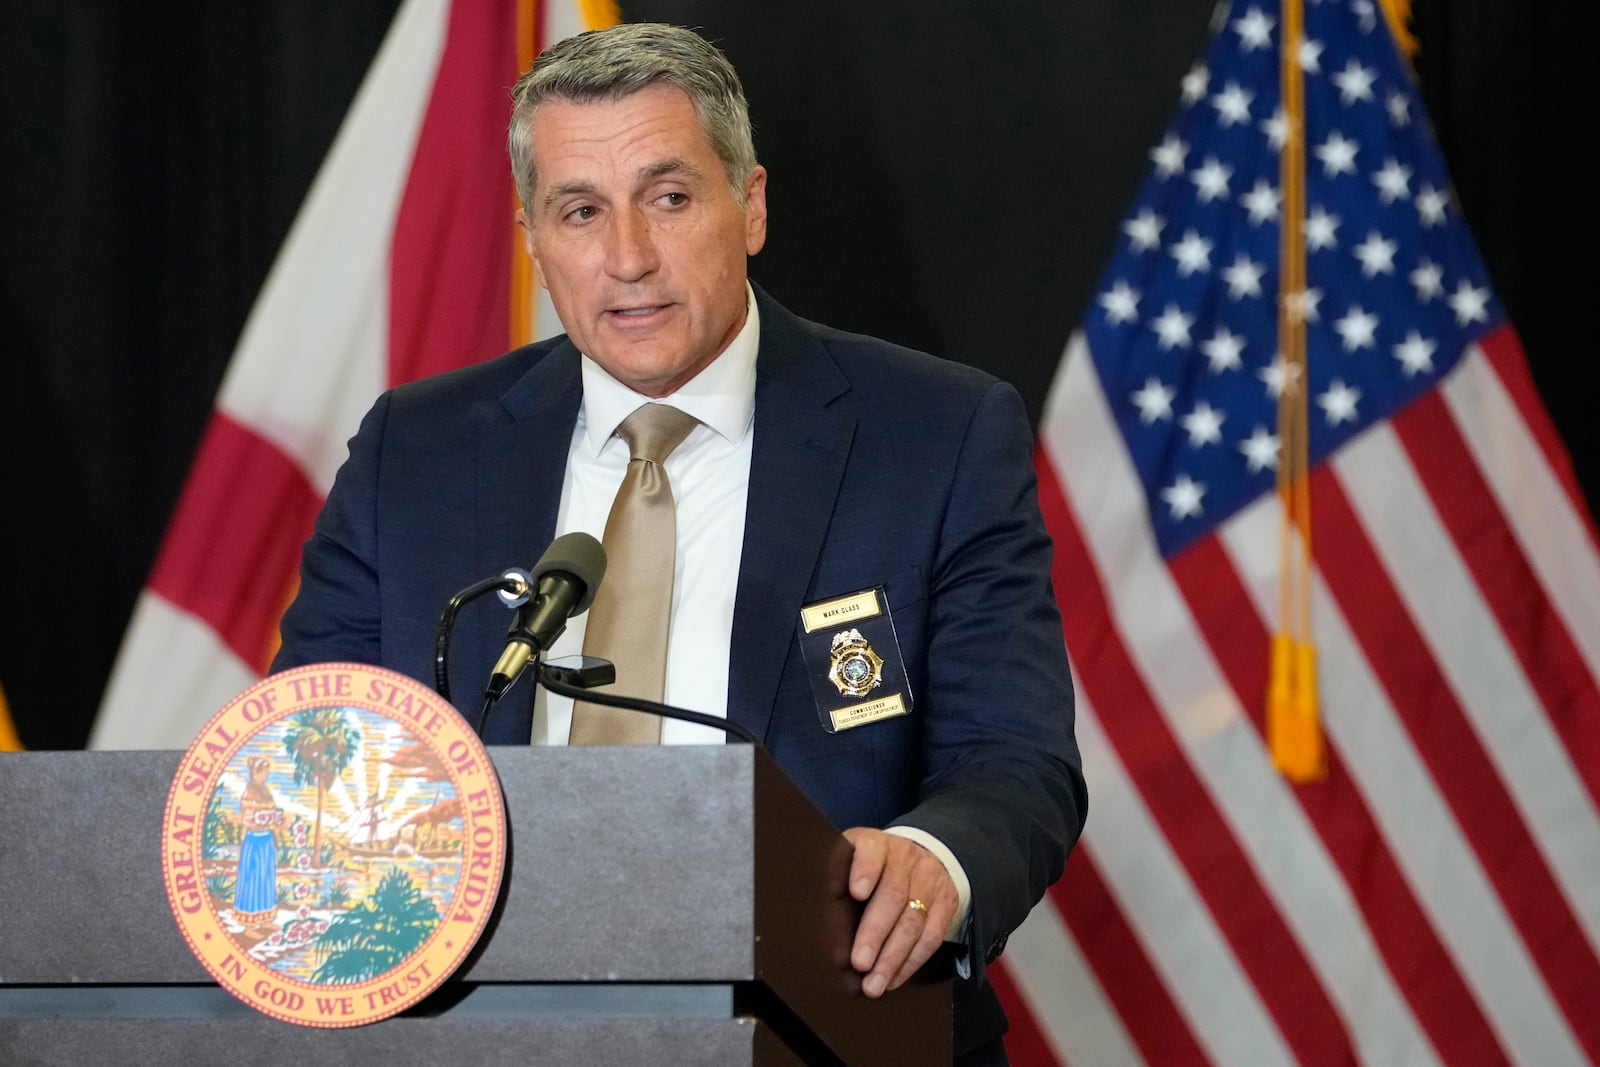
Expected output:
{"points": [[632, 613]]}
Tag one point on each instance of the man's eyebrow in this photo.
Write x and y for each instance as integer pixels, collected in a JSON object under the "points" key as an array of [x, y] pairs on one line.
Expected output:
{"points": [[648, 172], [561, 189], [670, 166]]}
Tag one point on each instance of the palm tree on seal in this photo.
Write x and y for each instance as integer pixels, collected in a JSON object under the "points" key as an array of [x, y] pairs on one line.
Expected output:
{"points": [[322, 743]]}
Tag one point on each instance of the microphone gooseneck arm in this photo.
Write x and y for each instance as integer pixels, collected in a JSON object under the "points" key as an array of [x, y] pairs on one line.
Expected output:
{"points": [[514, 585]]}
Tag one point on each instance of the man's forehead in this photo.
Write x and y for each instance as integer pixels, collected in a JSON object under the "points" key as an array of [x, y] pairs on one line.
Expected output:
{"points": [[644, 135], [651, 100]]}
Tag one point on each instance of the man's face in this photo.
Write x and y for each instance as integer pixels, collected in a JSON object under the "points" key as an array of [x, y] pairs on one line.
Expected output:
{"points": [[636, 234]]}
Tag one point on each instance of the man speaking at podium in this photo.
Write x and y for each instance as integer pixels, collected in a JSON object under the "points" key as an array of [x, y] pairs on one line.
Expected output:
{"points": [[754, 475]]}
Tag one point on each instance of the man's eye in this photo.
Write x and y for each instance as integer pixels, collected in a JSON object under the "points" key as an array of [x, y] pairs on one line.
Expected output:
{"points": [[675, 199], [581, 214]]}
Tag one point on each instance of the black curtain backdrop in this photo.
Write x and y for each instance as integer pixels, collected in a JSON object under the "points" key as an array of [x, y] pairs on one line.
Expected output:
{"points": [[946, 174]]}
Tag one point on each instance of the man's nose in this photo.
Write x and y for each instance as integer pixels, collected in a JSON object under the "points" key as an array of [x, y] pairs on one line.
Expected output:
{"points": [[631, 254]]}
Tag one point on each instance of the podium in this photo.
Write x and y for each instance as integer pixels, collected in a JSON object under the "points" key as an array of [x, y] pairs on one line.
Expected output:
{"points": [[672, 905]]}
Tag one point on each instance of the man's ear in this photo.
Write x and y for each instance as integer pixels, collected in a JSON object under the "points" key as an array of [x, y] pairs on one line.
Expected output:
{"points": [[527, 242], [755, 211]]}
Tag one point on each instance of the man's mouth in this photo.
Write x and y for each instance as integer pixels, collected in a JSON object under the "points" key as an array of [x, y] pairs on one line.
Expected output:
{"points": [[638, 312]]}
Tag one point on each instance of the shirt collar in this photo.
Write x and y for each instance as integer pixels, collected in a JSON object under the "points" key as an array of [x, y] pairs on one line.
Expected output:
{"points": [[722, 396]]}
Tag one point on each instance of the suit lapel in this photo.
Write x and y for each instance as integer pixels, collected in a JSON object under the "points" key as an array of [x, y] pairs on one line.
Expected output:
{"points": [[802, 440], [522, 456]]}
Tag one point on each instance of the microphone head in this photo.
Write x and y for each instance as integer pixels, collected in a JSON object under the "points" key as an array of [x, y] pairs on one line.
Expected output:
{"points": [[579, 557]]}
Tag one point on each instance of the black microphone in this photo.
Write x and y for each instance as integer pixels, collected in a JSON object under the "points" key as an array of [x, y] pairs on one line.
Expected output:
{"points": [[565, 579]]}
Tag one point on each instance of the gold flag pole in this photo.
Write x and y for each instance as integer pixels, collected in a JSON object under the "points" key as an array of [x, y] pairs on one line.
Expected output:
{"points": [[523, 297], [1294, 734]]}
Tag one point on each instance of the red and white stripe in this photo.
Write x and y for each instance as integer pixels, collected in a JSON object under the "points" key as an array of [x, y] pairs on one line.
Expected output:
{"points": [[1432, 900], [397, 266]]}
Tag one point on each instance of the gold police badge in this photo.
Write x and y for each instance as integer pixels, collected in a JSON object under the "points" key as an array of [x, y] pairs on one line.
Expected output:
{"points": [[855, 669]]}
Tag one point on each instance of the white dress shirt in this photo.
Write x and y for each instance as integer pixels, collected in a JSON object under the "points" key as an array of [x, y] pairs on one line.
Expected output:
{"points": [[710, 478]]}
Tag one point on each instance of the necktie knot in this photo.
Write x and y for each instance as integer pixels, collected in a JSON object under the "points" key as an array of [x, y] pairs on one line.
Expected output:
{"points": [[654, 430]]}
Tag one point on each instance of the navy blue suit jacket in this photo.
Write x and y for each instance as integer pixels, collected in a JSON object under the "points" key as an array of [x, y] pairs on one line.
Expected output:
{"points": [[872, 465]]}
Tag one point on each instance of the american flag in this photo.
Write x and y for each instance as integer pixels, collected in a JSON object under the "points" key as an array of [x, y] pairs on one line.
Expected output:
{"points": [[1434, 898]]}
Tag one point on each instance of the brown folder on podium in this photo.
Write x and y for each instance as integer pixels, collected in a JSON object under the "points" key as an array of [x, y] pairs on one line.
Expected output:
{"points": [[670, 905]]}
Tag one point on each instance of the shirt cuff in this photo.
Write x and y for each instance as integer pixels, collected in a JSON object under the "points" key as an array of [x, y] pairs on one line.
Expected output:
{"points": [[958, 924]]}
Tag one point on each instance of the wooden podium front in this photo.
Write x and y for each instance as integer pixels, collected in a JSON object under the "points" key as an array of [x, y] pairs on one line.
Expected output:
{"points": [[668, 905]]}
